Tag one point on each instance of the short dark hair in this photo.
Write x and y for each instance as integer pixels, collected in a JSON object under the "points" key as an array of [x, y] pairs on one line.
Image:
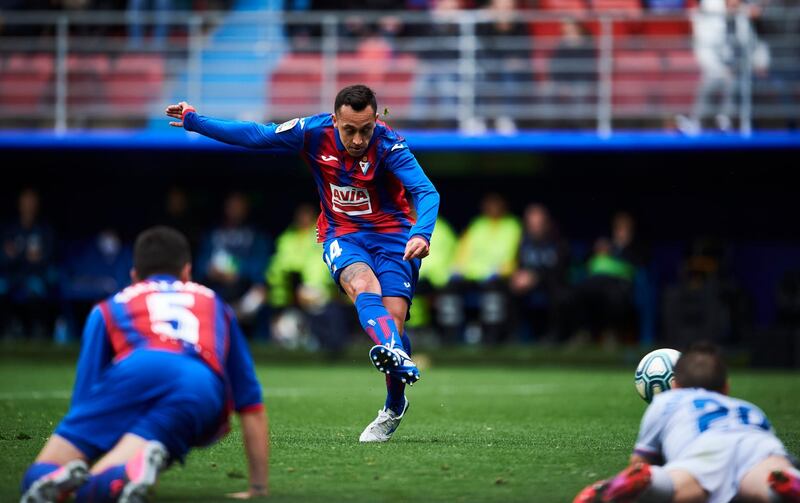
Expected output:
{"points": [[160, 250], [358, 97], [701, 366]]}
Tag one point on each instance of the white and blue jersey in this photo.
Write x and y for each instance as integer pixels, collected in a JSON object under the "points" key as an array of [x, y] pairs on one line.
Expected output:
{"points": [[716, 438]]}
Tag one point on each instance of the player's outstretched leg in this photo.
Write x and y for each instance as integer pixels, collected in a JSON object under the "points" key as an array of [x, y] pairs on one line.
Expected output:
{"points": [[388, 355], [785, 484], [45, 482], [626, 487]]}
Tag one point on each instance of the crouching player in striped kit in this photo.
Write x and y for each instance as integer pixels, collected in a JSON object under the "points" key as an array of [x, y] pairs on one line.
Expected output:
{"points": [[697, 445], [162, 364]]}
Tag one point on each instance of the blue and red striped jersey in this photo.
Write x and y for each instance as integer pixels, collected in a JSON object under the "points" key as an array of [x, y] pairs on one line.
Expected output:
{"points": [[165, 314], [367, 193]]}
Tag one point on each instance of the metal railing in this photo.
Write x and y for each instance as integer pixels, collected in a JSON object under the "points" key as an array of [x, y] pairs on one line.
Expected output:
{"points": [[466, 69]]}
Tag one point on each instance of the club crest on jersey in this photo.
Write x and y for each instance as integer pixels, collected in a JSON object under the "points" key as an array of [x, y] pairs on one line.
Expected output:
{"points": [[364, 163], [351, 201]]}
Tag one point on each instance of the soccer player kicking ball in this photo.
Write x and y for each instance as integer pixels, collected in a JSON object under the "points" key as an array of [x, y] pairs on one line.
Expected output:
{"points": [[371, 243], [162, 363], [696, 445]]}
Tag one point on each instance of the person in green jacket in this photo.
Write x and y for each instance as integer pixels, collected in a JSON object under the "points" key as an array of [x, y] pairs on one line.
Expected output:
{"points": [[299, 286], [486, 256]]}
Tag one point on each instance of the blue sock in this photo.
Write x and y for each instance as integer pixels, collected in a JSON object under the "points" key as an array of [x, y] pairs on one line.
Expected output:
{"points": [[406, 343], [36, 471], [395, 389], [376, 320], [103, 487]]}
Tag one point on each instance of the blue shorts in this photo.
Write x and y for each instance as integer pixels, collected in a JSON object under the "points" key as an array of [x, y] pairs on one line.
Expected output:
{"points": [[157, 395], [383, 253]]}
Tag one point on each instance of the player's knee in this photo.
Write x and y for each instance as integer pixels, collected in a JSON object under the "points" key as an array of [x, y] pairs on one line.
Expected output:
{"points": [[357, 279]]}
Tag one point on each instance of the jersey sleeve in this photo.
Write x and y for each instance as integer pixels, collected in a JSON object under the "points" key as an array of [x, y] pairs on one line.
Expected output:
{"points": [[287, 137], [241, 372], [648, 443], [96, 354], [405, 167]]}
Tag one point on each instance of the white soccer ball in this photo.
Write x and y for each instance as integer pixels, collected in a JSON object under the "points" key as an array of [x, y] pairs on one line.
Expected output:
{"points": [[655, 373]]}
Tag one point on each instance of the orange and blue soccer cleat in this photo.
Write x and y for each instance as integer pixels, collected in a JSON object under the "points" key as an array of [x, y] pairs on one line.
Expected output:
{"points": [[786, 484]]}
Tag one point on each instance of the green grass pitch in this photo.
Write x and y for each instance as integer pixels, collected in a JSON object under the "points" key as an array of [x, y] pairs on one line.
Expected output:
{"points": [[534, 434]]}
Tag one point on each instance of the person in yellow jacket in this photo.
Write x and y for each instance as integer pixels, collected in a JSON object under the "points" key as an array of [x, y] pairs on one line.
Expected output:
{"points": [[300, 288], [486, 256], [488, 248]]}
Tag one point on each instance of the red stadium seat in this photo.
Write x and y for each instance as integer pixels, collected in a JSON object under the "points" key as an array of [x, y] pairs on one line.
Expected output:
{"points": [[666, 27], [87, 75], [135, 81], [564, 6], [27, 81], [393, 75], [636, 79], [296, 85], [681, 74], [632, 7]]}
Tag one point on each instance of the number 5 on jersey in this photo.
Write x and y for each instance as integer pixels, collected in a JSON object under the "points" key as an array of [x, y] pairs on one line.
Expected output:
{"points": [[171, 316], [334, 250]]}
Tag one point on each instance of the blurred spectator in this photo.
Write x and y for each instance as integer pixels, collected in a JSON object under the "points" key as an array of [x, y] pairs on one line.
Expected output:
{"points": [[300, 288], [707, 303], [539, 285], [722, 31], [232, 261], [573, 72], [485, 258], [504, 57], [178, 215], [437, 80], [27, 260], [93, 269], [604, 302], [136, 9]]}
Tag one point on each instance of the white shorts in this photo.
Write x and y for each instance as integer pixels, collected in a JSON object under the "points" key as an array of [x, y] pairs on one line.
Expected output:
{"points": [[719, 461]]}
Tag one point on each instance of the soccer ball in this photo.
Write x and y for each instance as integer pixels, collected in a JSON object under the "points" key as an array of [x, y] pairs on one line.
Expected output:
{"points": [[655, 373]]}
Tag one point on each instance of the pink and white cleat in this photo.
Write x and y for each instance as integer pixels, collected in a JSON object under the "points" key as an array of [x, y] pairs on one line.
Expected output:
{"points": [[56, 486], [142, 472]]}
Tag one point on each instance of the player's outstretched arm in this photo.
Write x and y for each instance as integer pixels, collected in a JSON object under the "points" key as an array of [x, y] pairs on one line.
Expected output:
{"points": [[255, 431], [287, 137]]}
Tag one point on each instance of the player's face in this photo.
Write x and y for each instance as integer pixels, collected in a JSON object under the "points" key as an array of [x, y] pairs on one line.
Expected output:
{"points": [[355, 128]]}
